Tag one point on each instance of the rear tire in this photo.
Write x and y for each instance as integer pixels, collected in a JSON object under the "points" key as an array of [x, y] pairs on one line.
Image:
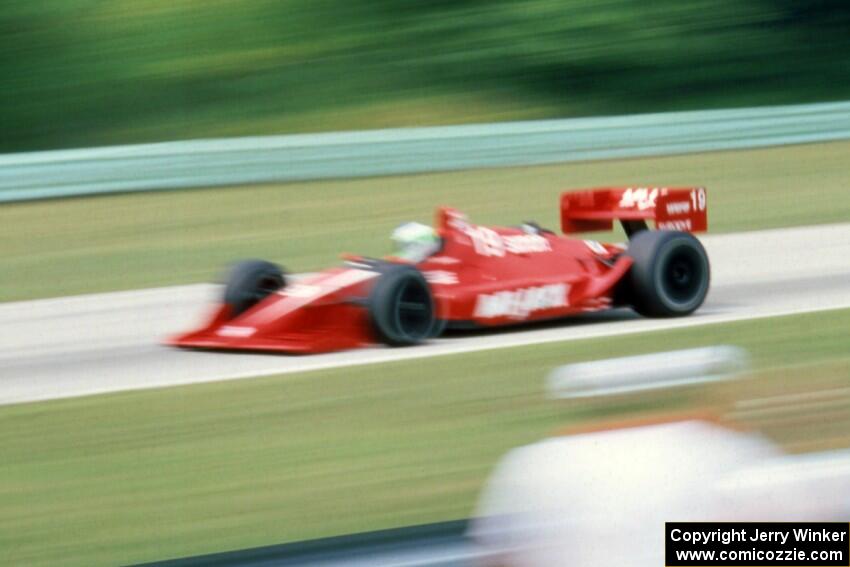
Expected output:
{"points": [[670, 275], [249, 282], [401, 307]]}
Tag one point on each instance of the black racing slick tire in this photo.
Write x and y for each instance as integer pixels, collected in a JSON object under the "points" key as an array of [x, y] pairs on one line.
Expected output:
{"points": [[401, 307], [249, 282], [670, 274]]}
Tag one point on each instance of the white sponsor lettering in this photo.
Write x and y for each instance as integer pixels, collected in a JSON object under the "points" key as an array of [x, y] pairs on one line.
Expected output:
{"points": [[641, 197], [684, 224], [526, 244], [457, 221], [336, 281], [301, 290], [443, 260], [327, 284], [678, 207], [234, 331], [519, 303], [698, 198], [347, 278], [488, 242], [440, 277]]}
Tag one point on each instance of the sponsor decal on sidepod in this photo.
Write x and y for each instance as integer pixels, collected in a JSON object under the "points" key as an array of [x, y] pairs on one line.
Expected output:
{"points": [[519, 303], [440, 277]]}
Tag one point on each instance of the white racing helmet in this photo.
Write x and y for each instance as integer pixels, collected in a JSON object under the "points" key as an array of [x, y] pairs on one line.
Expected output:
{"points": [[414, 241]]}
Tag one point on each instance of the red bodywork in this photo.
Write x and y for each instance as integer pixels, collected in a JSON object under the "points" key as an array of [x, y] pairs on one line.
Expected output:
{"points": [[482, 276]]}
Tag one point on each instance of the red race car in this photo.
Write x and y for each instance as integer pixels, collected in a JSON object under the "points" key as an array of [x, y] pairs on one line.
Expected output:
{"points": [[463, 275]]}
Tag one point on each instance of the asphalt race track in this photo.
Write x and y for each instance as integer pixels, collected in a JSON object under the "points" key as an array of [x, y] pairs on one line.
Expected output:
{"points": [[75, 346]]}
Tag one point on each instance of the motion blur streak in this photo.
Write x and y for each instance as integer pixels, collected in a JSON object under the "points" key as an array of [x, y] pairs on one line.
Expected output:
{"points": [[80, 73], [59, 348]]}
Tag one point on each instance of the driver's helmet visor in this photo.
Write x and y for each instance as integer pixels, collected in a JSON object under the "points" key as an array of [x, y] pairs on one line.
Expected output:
{"points": [[415, 241]]}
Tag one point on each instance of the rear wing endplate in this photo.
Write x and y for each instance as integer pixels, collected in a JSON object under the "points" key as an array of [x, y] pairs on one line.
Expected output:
{"points": [[671, 208]]}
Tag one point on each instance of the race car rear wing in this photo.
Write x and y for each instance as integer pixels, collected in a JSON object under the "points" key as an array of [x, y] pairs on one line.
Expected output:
{"points": [[671, 208]]}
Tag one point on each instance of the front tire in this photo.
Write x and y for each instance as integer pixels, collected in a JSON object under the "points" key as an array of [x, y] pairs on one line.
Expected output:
{"points": [[249, 282], [401, 307], [670, 275]]}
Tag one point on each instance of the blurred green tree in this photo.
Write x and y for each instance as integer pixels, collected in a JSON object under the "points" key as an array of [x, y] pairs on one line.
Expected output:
{"points": [[88, 72]]}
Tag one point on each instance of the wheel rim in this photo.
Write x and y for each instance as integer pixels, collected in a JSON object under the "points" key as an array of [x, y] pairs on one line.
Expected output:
{"points": [[683, 276], [414, 311]]}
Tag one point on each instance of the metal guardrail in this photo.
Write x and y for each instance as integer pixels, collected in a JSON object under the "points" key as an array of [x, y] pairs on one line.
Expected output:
{"points": [[207, 163]]}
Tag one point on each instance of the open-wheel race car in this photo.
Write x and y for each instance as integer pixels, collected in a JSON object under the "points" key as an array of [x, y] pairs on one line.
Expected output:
{"points": [[462, 275]]}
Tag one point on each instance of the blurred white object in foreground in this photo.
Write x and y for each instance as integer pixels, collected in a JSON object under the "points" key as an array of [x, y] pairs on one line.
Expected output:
{"points": [[825, 478], [661, 370], [600, 496]]}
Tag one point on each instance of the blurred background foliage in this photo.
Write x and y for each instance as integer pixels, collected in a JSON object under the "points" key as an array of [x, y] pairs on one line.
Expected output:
{"points": [[91, 72]]}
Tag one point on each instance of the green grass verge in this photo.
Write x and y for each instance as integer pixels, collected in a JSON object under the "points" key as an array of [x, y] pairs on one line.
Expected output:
{"points": [[141, 240], [140, 476]]}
